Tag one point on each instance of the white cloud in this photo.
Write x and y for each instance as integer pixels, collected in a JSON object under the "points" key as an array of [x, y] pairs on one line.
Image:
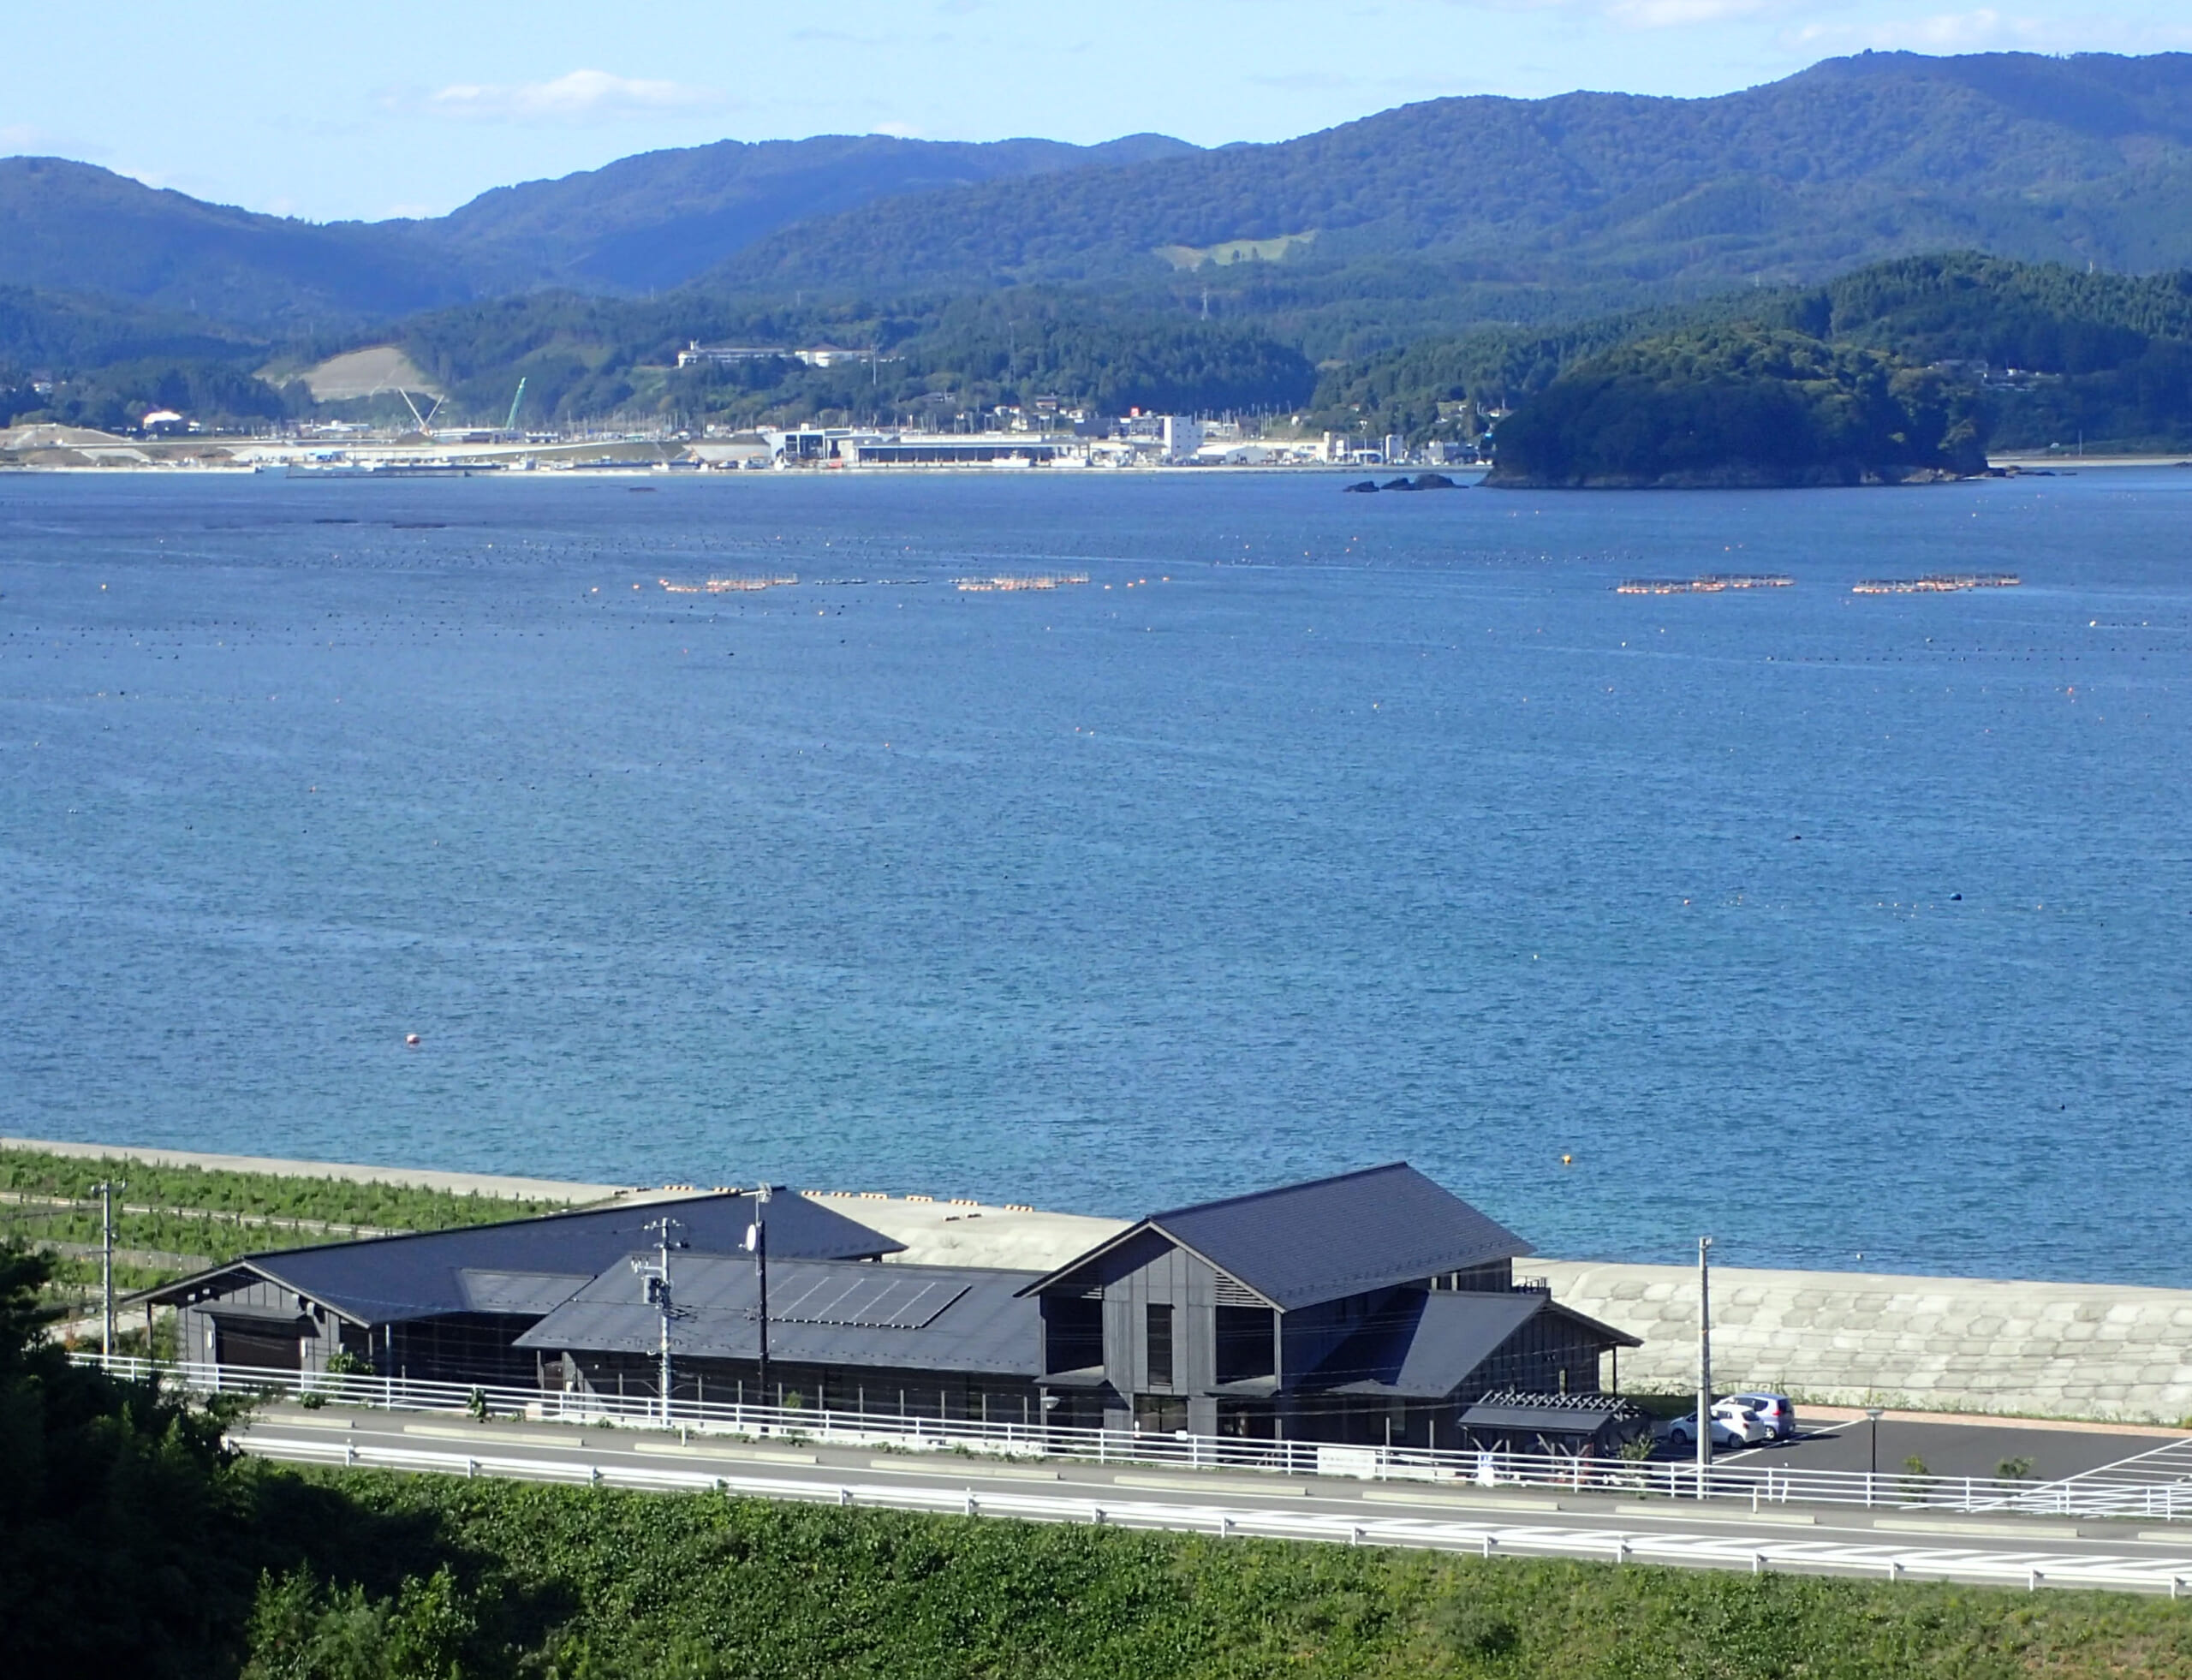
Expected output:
{"points": [[904, 131], [1655, 14], [1944, 31], [583, 96], [1984, 29], [1682, 14]]}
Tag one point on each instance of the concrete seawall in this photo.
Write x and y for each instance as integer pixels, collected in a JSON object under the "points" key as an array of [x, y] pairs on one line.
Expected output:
{"points": [[2113, 1351], [2090, 1351]]}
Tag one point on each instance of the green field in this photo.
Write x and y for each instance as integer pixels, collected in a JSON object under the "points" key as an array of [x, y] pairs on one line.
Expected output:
{"points": [[191, 1217]]}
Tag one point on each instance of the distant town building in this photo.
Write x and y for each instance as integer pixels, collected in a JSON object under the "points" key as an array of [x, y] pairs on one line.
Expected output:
{"points": [[697, 354]]}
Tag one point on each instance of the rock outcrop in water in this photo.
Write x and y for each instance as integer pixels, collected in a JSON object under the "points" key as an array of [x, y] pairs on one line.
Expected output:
{"points": [[1740, 407]]}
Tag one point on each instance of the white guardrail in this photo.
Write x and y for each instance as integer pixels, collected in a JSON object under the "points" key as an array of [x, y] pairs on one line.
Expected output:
{"points": [[1754, 1484], [1476, 1535]]}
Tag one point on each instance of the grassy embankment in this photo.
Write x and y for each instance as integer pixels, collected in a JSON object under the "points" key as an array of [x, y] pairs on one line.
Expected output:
{"points": [[131, 1541], [172, 1220], [568, 1582]]}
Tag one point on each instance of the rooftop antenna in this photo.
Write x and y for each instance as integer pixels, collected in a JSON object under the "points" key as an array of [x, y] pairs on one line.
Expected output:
{"points": [[657, 1273]]}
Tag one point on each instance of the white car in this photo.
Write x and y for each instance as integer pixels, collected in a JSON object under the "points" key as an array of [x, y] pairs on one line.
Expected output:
{"points": [[1732, 1427]]}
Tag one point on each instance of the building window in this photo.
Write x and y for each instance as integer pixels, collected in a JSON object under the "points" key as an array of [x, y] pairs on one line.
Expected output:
{"points": [[1073, 1333], [1159, 1344], [1159, 1413], [1245, 1344]]}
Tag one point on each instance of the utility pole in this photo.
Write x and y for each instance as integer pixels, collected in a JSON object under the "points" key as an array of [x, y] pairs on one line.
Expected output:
{"points": [[1704, 1360], [106, 1190], [757, 1244], [657, 1274]]}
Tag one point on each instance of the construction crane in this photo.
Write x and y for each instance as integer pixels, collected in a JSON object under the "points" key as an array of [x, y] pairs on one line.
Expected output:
{"points": [[510, 424], [426, 420]]}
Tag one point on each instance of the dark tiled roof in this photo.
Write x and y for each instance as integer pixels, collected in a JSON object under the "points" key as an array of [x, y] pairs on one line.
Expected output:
{"points": [[1305, 1243], [390, 1279], [1424, 1344], [906, 1317]]}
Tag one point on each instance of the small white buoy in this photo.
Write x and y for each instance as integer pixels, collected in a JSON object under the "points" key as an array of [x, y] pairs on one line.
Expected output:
{"points": [[411, 1040]]}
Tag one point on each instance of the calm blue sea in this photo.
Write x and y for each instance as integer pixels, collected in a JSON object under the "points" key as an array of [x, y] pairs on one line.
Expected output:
{"points": [[1315, 831]]}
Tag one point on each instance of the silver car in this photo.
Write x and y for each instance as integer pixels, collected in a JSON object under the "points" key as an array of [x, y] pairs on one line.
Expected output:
{"points": [[1777, 1411]]}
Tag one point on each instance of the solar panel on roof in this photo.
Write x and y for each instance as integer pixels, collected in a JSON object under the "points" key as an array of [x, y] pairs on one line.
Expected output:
{"points": [[873, 1303]]}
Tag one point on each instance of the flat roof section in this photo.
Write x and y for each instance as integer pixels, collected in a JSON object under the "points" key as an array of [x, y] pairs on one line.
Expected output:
{"points": [[966, 1233]]}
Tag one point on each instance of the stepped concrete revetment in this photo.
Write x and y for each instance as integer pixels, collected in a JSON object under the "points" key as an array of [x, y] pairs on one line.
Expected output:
{"points": [[2091, 1351]]}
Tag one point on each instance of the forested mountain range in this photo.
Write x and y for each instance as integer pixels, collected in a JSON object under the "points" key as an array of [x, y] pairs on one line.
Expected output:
{"points": [[1415, 222], [1404, 273], [662, 217], [1493, 208], [652, 221]]}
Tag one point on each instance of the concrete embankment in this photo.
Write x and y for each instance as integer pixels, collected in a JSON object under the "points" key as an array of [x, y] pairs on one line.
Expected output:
{"points": [[1952, 1344], [2111, 1351]]}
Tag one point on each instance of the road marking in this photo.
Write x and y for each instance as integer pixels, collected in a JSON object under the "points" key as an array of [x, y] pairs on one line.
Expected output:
{"points": [[488, 1435], [1949, 1525], [309, 1421], [958, 1468], [1400, 1496], [1794, 1519], [1210, 1485], [745, 1455]]}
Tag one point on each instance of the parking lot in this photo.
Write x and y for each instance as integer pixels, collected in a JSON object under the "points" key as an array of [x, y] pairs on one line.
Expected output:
{"points": [[1974, 1448]]}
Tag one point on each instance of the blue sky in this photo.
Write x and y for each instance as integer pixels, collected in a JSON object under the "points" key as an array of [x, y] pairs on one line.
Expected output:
{"points": [[406, 108]]}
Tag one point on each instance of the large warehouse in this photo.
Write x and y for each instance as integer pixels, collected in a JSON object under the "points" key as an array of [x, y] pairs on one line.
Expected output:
{"points": [[1371, 1306]]}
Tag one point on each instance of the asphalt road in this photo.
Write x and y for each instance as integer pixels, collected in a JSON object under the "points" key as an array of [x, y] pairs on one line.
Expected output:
{"points": [[1822, 1539]]}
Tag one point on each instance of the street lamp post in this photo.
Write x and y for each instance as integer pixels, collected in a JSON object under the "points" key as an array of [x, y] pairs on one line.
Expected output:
{"points": [[1872, 1448], [757, 1244], [1704, 1360]]}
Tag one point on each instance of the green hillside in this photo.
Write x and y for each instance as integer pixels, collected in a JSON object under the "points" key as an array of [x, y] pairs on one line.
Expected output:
{"points": [[653, 220], [1416, 222], [1501, 209], [941, 358], [71, 227], [661, 217], [1740, 405], [2050, 353]]}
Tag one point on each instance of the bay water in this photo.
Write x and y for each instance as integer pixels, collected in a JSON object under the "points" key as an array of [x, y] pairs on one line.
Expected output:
{"points": [[1312, 830]]}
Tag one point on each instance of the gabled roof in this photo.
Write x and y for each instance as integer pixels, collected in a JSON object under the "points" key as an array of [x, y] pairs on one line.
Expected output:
{"points": [[835, 1312], [524, 1267], [1301, 1244]]}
